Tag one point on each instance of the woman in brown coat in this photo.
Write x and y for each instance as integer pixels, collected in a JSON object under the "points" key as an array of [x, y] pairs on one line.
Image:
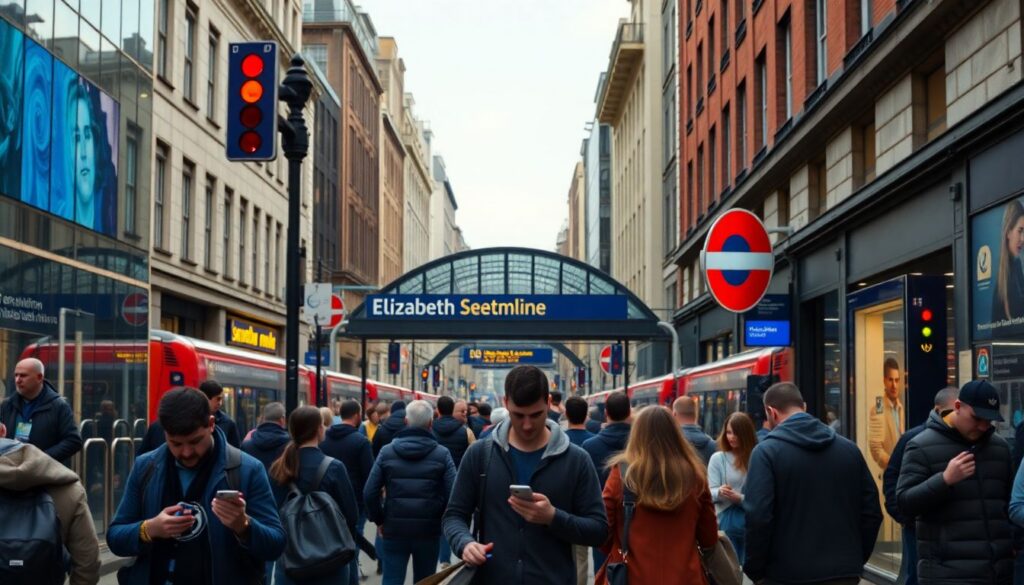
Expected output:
{"points": [[673, 505]]}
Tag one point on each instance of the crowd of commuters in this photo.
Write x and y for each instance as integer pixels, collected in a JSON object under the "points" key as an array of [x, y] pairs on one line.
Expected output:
{"points": [[524, 493]]}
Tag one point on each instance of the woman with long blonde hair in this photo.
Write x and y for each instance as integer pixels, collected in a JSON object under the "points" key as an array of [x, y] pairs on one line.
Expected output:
{"points": [[727, 475], [673, 512], [1008, 294]]}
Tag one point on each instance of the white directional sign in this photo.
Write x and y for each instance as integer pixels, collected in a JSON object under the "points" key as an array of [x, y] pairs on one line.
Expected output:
{"points": [[317, 308]]}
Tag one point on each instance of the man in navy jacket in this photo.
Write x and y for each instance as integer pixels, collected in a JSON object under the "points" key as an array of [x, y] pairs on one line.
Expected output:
{"points": [[417, 473], [609, 441], [37, 415], [345, 443], [802, 470], [170, 519], [270, 438]]}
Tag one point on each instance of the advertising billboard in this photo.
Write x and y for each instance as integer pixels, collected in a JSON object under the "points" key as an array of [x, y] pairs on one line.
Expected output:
{"points": [[997, 275], [58, 136]]}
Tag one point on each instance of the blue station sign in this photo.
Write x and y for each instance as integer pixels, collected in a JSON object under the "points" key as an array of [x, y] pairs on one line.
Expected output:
{"points": [[501, 357], [496, 307], [768, 323]]}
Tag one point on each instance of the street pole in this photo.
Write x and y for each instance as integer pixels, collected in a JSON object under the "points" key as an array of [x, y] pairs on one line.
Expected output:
{"points": [[294, 91], [675, 353], [362, 387], [320, 398]]}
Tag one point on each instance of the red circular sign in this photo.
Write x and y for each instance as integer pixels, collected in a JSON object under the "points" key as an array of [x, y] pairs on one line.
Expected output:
{"points": [[135, 309], [252, 65], [737, 260], [337, 311], [606, 359]]}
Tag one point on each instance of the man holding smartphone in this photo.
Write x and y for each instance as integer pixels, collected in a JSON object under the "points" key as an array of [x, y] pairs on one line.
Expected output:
{"points": [[554, 496], [196, 510]]}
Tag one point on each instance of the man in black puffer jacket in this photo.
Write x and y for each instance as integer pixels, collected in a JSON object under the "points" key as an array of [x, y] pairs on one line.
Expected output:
{"points": [[956, 479], [270, 438], [390, 427], [38, 415], [449, 431], [418, 475]]}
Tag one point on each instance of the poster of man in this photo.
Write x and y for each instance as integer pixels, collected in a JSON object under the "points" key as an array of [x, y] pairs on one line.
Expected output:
{"points": [[885, 420]]}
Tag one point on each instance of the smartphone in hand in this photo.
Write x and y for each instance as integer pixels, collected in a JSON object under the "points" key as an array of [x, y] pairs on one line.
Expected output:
{"points": [[228, 494], [523, 492]]}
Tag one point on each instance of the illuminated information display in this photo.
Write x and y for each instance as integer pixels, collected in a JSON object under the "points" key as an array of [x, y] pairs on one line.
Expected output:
{"points": [[506, 356], [496, 307]]}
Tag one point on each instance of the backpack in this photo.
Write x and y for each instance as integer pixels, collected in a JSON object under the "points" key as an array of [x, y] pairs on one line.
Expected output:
{"points": [[31, 550], [319, 542]]}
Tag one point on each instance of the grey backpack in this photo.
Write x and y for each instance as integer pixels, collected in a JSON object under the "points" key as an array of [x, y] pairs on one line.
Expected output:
{"points": [[319, 542], [31, 551]]}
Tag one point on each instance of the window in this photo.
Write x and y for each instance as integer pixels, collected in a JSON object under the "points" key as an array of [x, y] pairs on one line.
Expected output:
{"points": [[711, 47], [936, 101], [868, 146], [211, 190], [187, 176], [243, 225], [163, 32], [821, 33], [159, 198], [818, 187], [689, 186], [723, 15], [712, 168], [277, 262], [255, 247], [741, 126], [761, 123], [317, 53], [211, 77], [785, 37], [689, 91], [701, 195], [188, 88], [266, 262], [229, 197], [131, 180], [865, 17], [700, 70], [726, 149]]}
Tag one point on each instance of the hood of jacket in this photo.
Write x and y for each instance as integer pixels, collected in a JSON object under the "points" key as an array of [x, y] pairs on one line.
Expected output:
{"points": [[557, 444], [269, 436], [413, 444], [23, 467], [47, 395], [447, 426], [340, 431], [804, 431], [945, 429], [395, 422], [696, 436], [615, 435]]}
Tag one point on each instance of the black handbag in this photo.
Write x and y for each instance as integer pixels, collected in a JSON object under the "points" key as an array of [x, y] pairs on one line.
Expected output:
{"points": [[618, 573]]}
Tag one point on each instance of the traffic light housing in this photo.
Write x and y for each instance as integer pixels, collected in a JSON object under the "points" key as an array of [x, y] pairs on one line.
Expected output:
{"points": [[437, 377], [252, 101], [394, 357], [616, 366], [425, 374], [581, 378]]}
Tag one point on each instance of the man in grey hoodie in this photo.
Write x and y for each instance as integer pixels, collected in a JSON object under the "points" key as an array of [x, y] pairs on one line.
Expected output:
{"points": [[525, 540], [25, 467]]}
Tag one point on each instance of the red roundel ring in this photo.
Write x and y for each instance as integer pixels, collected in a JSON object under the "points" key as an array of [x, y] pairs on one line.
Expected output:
{"points": [[737, 260]]}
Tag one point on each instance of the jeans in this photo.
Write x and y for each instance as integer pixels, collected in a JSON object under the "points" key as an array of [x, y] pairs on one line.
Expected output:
{"points": [[396, 558], [444, 551], [908, 565], [733, 522], [599, 558]]}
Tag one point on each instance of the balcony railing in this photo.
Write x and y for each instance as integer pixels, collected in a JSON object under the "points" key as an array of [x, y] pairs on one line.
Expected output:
{"points": [[629, 32], [623, 60], [343, 11]]}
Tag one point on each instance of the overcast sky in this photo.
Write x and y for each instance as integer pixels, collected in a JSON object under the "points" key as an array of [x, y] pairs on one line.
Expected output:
{"points": [[507, 86]]}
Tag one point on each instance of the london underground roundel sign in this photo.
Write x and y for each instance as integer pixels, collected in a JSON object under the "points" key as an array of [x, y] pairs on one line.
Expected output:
{"points": [[737, 260]]}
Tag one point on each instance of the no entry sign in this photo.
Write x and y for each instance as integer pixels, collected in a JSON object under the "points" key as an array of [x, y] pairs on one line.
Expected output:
{"points": [[737, 260]]}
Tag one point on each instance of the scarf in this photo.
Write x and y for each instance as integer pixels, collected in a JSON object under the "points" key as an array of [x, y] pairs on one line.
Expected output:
{"points": [[186, 560]]}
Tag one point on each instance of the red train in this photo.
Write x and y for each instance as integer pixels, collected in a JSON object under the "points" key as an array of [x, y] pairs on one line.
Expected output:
{"points": [[719, 387], [250, 379]]}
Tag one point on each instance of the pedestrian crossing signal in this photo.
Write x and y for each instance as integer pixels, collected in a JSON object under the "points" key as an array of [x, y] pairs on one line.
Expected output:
{"points": [[252, 101], [616, 361]]}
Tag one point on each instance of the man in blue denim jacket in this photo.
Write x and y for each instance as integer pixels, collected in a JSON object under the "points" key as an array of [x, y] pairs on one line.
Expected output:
{"points": [[170, 518]]}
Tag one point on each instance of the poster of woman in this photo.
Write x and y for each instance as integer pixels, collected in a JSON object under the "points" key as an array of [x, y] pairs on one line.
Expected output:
{"points": [[998, 242]]}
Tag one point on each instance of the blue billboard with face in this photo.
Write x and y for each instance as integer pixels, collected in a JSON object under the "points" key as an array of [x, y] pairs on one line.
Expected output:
{"points": [[58, 136], [997, 243], [12, 47]]}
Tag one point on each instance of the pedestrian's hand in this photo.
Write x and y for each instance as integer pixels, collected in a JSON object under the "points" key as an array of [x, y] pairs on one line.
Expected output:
{"points": [[727, 493], [168, 524], [475, 554], [231, 513], [538, 511], [959, 468]]}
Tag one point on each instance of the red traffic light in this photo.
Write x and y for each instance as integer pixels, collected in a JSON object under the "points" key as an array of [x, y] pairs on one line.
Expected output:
{"points": [[250, 142], [926, 315], [252, 65]]}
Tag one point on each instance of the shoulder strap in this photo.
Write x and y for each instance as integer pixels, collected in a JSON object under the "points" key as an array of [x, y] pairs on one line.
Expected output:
{"points": [[147, 474], [233, 466], [489, 447], [321, 472], [629, 504]]}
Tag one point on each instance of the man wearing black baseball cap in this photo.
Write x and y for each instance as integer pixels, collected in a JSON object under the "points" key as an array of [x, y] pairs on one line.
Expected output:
{"points": [[956, 479]]}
